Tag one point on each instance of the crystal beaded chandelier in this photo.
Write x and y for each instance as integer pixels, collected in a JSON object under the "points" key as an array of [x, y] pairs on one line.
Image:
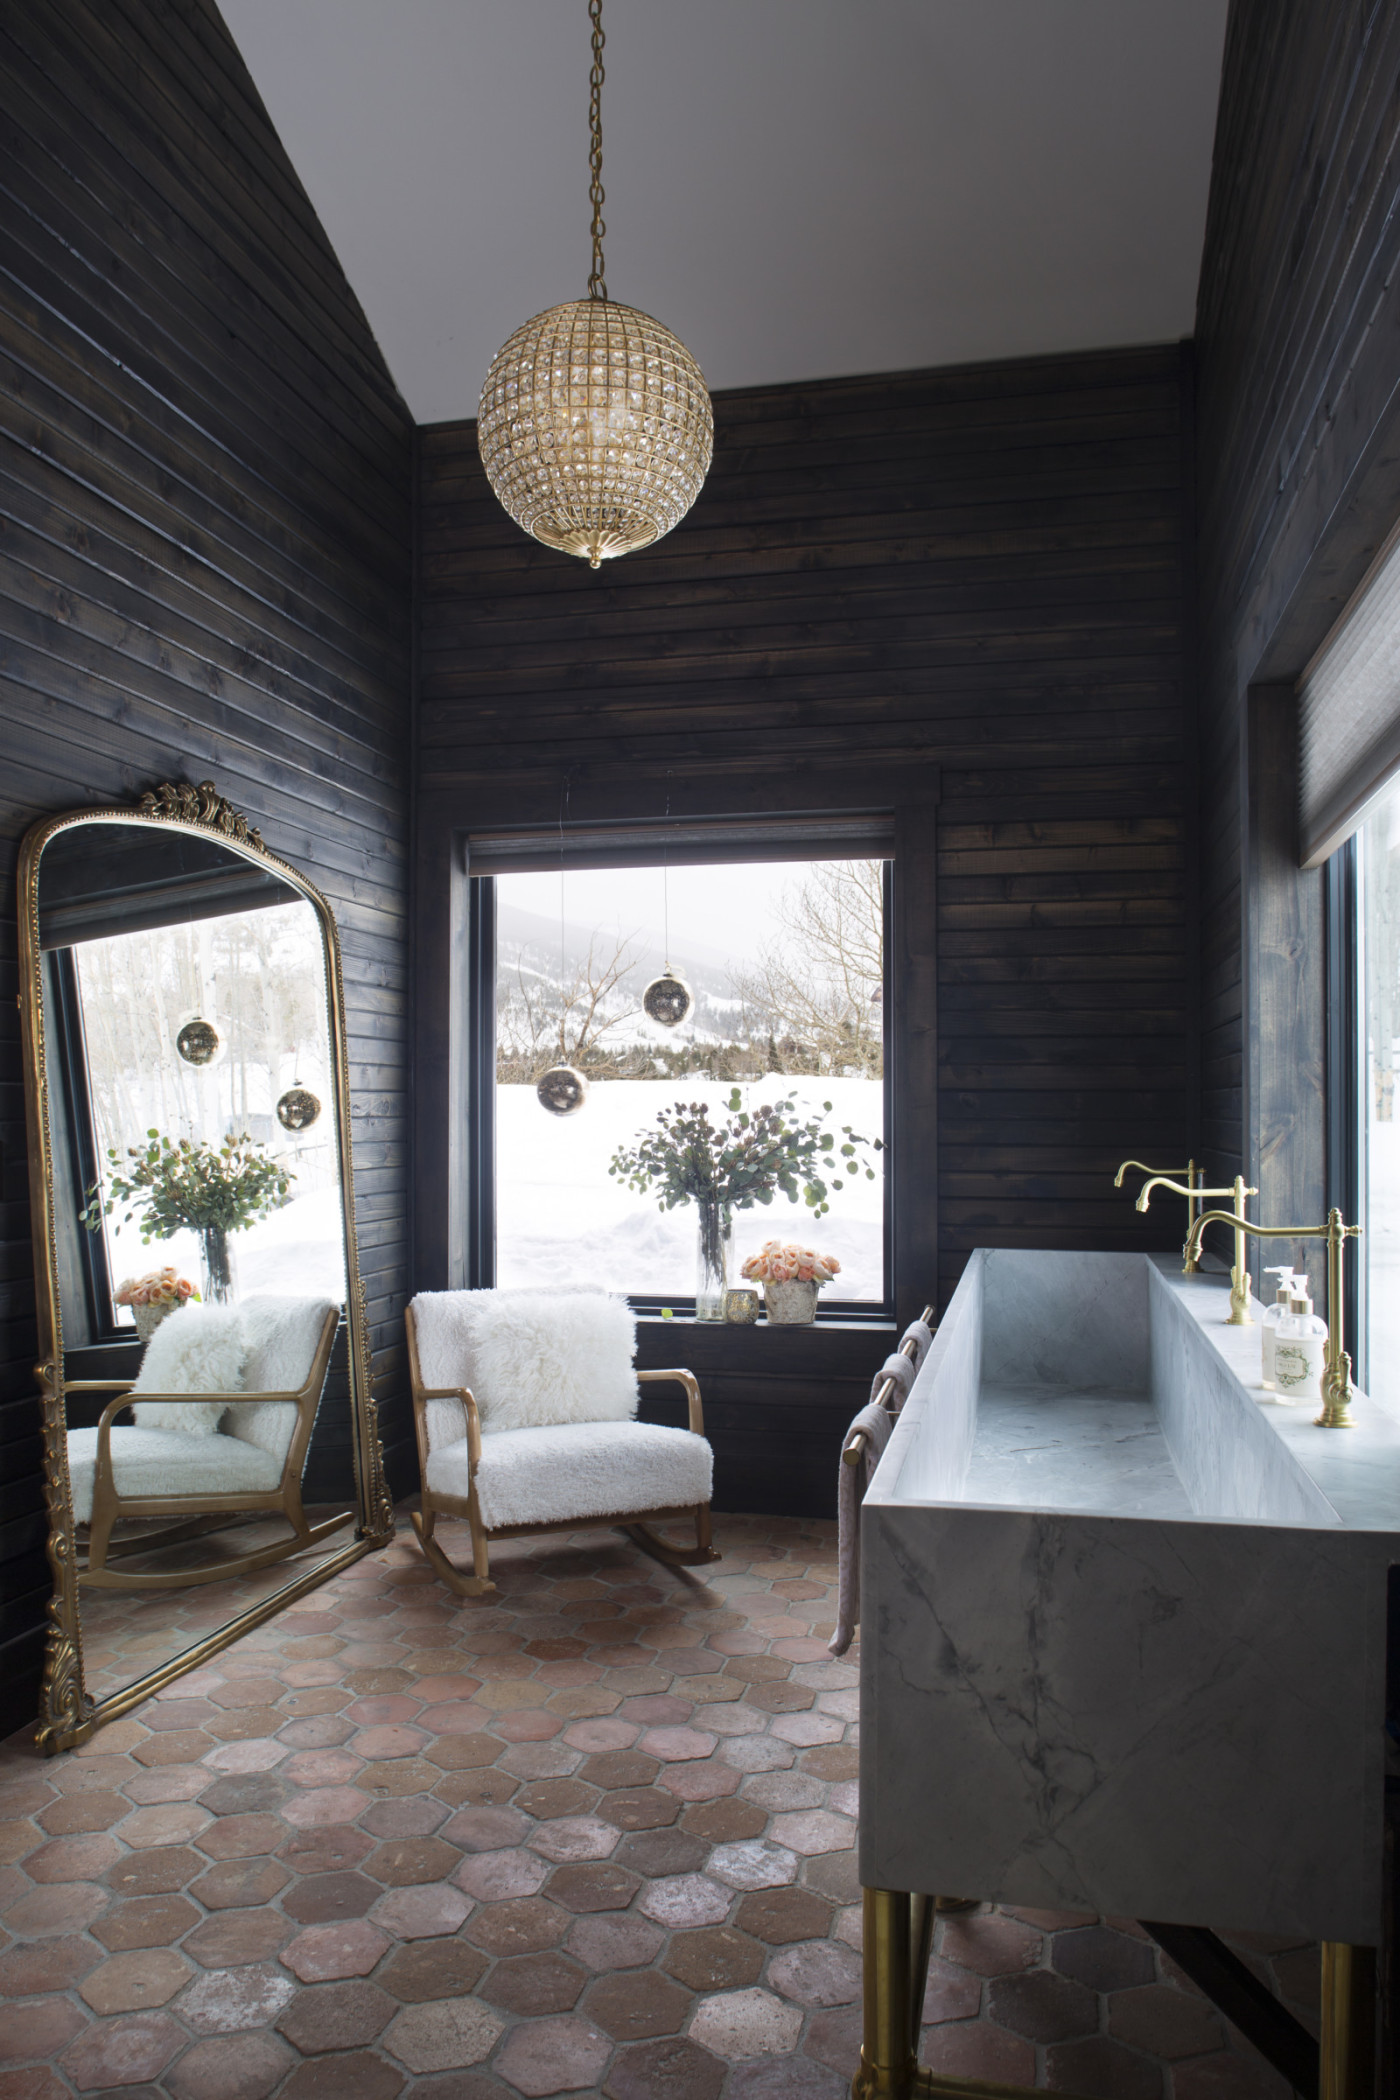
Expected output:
{"points": [[594, 426]]}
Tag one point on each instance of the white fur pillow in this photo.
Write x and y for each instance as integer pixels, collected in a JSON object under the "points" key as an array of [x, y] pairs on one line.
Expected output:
{"points": [[199, 1349], [531, 1358]]}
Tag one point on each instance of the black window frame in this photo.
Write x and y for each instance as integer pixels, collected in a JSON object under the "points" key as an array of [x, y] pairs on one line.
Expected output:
{"points": [[481, 1069]]}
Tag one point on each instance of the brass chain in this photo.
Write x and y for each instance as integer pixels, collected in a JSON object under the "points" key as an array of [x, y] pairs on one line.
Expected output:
{"points": [[597, 283]]}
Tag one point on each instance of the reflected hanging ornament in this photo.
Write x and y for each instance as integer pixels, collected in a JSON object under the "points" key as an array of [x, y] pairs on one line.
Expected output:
{"points": [[667, 999], [595, 426], [562, 1090], [198, 1042], [298, 1108]]}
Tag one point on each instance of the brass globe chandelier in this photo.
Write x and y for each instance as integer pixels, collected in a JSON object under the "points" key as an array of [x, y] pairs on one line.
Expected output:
{"points": [[594, 426]]}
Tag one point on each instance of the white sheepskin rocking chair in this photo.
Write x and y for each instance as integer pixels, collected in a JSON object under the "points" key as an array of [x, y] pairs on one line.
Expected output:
{"points": [[525, 1404], [223, 1407]]}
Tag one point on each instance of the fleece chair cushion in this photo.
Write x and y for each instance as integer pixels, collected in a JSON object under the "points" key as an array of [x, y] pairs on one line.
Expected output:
{"points": [[577, 1469], [530, 1359]]}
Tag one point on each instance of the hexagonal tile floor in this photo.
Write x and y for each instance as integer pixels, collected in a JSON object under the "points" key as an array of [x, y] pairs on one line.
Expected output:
{"points": [[593, 1837]]}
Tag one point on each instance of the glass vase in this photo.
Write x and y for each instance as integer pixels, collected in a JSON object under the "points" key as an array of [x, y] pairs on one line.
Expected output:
{"points": [[714, 1259], [216, 1280]]}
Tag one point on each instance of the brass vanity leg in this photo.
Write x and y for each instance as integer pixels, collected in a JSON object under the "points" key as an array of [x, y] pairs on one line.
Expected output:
{"points": [[1348, 2050], [888, 2062]]}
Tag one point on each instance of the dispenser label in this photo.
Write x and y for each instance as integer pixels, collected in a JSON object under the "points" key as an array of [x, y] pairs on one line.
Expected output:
{"points": [[1292, 1366]]}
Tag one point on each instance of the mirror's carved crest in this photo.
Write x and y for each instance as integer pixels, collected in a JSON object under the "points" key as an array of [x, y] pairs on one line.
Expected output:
{"points": [[199, 805]]}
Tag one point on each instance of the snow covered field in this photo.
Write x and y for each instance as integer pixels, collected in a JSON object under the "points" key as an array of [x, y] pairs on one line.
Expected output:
{"points": [[561, 1218]]}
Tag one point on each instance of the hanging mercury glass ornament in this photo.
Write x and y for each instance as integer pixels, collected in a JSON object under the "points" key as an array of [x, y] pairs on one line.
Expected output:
{"points": [[563, 1090], [198, 1042], [667, 998], [298, 1108]]}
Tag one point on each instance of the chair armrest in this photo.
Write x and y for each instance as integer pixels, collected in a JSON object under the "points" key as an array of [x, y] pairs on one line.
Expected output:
{"points": [[97, 1385], [473, 1414], [692, 1392]]}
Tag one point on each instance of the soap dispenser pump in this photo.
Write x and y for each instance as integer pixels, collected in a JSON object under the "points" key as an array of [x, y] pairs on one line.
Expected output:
{"points": [[1300, 1350], [1268, 1326]]}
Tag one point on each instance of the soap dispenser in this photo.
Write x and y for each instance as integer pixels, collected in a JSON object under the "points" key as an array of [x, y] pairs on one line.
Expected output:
{"points": [[1268, 1326], [1300, 1349]]}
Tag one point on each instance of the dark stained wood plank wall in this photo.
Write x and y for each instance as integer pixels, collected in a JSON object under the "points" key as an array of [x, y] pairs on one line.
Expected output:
{"points": [[1298, 351], [205, 570], [977, 569]]}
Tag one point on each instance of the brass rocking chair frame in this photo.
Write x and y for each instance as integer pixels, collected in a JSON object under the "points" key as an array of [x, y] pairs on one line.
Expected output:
{"points": [[109, 1504], [434, 1504]]}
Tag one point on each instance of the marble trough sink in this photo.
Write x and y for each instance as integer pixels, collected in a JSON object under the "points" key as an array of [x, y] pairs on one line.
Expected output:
{"points": [[1123, 1621]]}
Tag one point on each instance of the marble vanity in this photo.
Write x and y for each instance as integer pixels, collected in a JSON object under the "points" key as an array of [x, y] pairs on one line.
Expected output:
{"points": [[1123, 1618]]}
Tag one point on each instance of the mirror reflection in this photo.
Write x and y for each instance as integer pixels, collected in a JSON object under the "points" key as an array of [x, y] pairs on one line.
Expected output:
{"points": [[200, 1236]]}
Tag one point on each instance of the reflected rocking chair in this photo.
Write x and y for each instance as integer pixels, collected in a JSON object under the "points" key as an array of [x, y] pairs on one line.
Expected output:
{"points": [[251, 1464], [566, 1475]]}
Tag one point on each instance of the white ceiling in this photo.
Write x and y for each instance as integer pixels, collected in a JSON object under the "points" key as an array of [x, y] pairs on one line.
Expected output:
{"points": [[800, 188]]}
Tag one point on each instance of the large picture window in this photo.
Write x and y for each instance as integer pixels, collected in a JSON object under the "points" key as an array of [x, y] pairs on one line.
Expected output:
{"points": [[1378, 985], [785, 964]]}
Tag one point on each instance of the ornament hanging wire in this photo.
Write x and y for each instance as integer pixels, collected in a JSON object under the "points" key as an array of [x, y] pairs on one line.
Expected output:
{"points": [[595, 427], [668, 998], [563, 1089]]}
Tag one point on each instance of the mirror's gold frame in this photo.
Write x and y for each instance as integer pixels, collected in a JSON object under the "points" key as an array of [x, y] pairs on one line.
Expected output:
{"points": [[67, 1712]]}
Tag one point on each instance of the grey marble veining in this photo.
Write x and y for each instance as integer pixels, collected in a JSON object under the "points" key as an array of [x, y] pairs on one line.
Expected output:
{"points": [[1098, 1677]]}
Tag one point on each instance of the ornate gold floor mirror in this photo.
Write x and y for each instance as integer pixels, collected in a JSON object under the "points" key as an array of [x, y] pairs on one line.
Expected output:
{"points": [[210, 1444]]}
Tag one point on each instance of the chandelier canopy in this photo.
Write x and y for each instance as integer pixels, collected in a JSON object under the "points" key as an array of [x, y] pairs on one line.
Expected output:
{"points": [[595, 426]]}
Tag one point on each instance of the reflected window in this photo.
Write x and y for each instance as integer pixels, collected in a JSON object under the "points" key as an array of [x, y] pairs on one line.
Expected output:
{"points": [[209, 1028], [783, 962], [1378, 981]]}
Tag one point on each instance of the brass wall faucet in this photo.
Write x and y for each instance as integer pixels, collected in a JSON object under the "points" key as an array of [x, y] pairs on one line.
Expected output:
{"points": [[1194, 1177], [1337, 1387]]}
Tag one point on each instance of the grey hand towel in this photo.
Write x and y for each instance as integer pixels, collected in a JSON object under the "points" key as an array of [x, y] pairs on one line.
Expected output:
{"points": [[850, 1491], [901, 1370], [923, 1341]]}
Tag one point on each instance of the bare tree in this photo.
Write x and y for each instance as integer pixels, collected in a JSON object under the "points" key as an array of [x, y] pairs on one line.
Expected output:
{"points": [[818, 995], [540, 1023]]}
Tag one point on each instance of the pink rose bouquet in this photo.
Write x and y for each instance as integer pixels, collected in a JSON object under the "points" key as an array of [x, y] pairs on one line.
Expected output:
{"points": [[786, 1262], [159, 1287]]}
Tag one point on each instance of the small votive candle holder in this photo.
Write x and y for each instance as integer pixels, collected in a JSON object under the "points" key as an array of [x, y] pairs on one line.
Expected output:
{"points": [[740, 1308]]}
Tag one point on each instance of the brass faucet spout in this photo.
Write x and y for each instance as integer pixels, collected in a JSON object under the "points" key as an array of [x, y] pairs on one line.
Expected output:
{"points": [[1139, 1166]]}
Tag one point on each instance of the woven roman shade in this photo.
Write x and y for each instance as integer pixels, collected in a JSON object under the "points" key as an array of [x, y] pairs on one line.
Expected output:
{"points": [[1349, 713]]}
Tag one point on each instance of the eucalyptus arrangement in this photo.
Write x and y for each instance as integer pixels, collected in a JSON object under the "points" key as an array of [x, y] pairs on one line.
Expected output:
{"points": [[172, 1185], [733, 1165]]}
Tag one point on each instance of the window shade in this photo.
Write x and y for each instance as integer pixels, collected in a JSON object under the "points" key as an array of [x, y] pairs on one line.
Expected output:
{"points": [[681, 843], [1349, 712]]}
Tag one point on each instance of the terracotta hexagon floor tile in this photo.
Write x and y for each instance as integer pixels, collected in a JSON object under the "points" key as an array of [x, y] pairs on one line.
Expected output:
{"points": [[318, 1899], [359, 2074], [535, 1984], [233, 1884], [715, 1958], [670, 2069], [146, 1921], [322, 1805], [73, 1858], [326, 1953], [212, 2070], [561, 2055], [422, 1913], [523, 1925], [136, 1982], [494, 1877], [445, 1968], [72, 1813], [45, 1965], [444, 2036], [230, 2001], [38, 2031], [234, 1937], [122, 2052], [325, 1848], [633, 2006], [333, 2016], [63, 1907], [752, 2022]]}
